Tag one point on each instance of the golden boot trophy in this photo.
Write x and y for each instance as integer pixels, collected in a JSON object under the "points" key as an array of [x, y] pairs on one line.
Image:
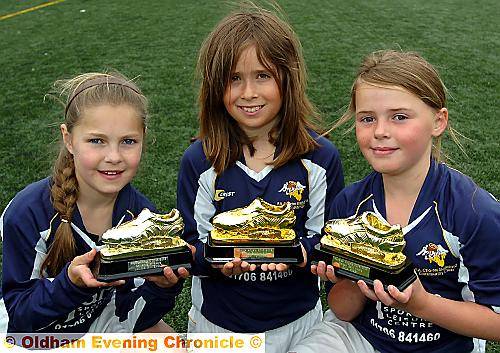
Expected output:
{"points": [[258, 233], [143, 246], [366, 247]]}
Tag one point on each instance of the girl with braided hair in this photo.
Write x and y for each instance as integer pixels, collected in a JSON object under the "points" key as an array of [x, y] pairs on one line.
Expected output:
{"points": [[53, 225]]}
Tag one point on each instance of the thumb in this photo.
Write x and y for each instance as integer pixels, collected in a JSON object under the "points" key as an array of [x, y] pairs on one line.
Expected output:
{"points": [[86, 258], [304, 254]]}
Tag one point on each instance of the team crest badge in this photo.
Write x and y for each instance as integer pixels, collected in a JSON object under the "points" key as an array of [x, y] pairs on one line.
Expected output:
{"points": [[293, 189], [434, 253]]}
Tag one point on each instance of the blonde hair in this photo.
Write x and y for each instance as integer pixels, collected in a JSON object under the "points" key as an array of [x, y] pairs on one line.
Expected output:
{"points": [[279, 51], [407, 70], [82, 92]]}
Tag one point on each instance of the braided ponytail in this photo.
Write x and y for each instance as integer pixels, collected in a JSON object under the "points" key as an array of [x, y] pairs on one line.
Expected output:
{"points": [[64, 193]]}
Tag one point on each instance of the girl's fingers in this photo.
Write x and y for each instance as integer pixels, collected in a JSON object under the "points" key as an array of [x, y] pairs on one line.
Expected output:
{"points": [[170, 275], [271, 267], [227, 269], [363, 287], [120, 282], [402, 297], [245, 266], [304, 254], [314, 270], [326, 273], [281, 267], [193, 250], [183, 272], [330, 274], [321, 270], [381, 294]]}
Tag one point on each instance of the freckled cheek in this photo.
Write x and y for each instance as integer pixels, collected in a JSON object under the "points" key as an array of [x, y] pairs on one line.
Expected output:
{"points": [[363, 138]]}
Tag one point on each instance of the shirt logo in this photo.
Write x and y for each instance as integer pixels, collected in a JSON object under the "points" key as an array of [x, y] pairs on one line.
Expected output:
{"points": [[221, 194], [293, 188], [434, 253]]}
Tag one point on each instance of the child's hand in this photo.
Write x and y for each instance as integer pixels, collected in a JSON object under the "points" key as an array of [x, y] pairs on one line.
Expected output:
{"points": [[280, 267], [81, 275], [274, 267], [235, 267], [193, 250], [326, 273], [169, 278], [409, 299]]}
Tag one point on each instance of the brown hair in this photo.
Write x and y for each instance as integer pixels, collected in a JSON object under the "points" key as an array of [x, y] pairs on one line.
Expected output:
{"points": [[280, 52], [407, 70], [83, 91]]}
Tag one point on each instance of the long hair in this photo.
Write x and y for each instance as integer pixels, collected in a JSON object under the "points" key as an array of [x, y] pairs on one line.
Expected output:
{"points": [[411, 72], [81, 92], [279, 51]]}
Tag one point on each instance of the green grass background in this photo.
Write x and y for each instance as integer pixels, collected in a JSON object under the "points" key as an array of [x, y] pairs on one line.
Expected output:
{"points": [[159, 40]]}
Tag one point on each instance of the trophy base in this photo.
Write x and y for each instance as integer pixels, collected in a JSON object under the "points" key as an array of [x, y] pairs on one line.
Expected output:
{"points": [[254, 253], [355, 269], [143, 265]]}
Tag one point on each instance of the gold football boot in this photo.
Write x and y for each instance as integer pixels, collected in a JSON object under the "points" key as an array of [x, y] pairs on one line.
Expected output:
{"points": [[367, 237], [149, 233], [259, 222]]}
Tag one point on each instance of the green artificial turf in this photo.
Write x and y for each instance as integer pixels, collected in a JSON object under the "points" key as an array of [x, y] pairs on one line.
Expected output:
{"points": [[158, 40]]}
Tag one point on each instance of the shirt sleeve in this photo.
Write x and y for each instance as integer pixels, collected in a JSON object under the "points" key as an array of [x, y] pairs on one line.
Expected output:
{"points": [[32, 302], [326, 180], [195, 204], [477, 219]]}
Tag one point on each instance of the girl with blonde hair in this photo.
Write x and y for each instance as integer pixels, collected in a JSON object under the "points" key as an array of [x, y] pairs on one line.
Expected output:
{"points": [[51, 228]]}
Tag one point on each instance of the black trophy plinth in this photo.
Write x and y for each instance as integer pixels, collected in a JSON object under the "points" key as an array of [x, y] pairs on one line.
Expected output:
{"points": [[357, 268], [143, 265], [257, 253]]}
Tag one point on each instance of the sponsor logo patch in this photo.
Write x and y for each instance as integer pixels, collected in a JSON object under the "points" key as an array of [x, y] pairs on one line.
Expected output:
{"points": [[433, 253], [222, 194], [293, 189]]}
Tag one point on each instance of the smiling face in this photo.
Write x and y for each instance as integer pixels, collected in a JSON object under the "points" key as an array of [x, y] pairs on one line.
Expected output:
{"points": [[106, 145], [253, 97], [395, 128]]}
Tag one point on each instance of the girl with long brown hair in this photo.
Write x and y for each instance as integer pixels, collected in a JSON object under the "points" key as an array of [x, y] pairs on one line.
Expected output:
{"points": [[256, 139], [50, 229]]}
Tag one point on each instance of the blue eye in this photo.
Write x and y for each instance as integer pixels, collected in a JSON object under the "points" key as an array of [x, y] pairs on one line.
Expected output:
{"points": [[129, 141], [96, 141]]}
